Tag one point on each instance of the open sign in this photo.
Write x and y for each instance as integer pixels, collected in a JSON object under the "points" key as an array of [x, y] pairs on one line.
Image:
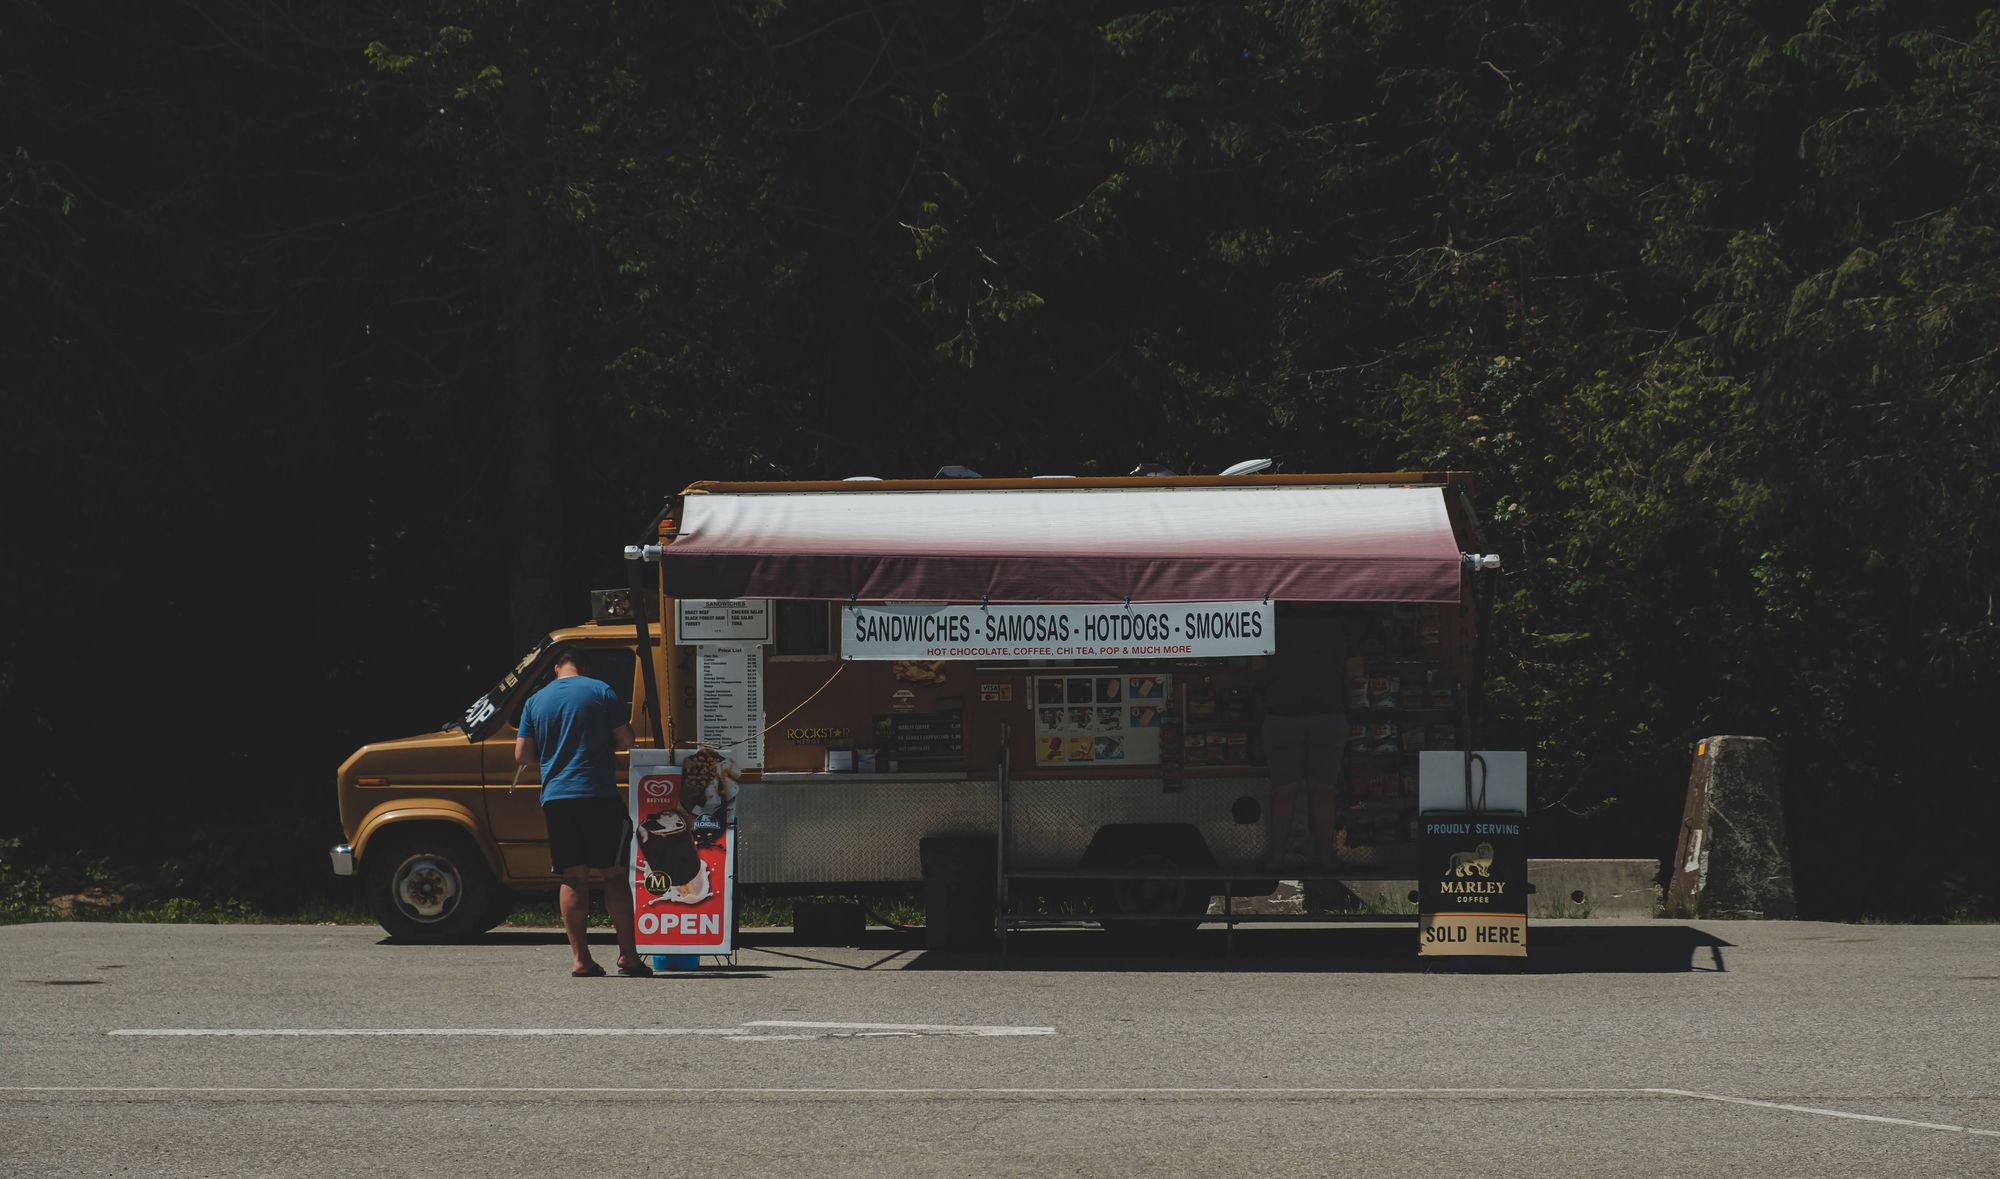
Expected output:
{"points": [[702, 925], [682, 886]]}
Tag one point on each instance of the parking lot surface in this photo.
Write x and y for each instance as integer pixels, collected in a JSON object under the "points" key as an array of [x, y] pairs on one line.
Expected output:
{"points": [[1635, 1048]]}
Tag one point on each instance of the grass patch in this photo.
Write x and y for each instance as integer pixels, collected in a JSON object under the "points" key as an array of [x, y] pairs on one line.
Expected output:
{"points": [[184, 911], [1376, 903], [1962, 915], [752, 912]]}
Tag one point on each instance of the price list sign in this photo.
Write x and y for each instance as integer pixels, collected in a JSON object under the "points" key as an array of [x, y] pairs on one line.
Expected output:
{"points": [[730, 701]]}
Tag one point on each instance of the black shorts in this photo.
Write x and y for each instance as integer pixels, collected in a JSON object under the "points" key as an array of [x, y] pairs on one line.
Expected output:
{"points": [[588, 833]]}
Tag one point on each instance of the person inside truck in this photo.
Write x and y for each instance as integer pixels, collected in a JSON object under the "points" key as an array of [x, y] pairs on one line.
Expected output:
{"points": [[1305, 724], [573, 728]]}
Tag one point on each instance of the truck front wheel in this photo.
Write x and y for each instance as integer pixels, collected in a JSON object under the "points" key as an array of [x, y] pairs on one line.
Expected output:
{"points": [[430, 885]]}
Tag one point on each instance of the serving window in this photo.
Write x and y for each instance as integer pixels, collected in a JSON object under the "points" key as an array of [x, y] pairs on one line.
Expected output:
{"points": [[803, 630]]}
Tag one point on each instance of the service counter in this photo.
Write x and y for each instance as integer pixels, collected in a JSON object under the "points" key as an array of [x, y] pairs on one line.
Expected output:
{"points": [[1087, 744]]}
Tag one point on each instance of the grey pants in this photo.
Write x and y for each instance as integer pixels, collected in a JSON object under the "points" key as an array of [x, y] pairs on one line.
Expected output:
{"points": [[1306, 748]]}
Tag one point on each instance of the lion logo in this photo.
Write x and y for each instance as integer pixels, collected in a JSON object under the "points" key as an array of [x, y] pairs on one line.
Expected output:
{"points": [[1473, 863]]}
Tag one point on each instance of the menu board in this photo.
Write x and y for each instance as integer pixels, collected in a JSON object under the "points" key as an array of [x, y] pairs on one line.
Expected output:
{"points": [[722, 620], [921, 735], [1099, 719], [729, 712]]}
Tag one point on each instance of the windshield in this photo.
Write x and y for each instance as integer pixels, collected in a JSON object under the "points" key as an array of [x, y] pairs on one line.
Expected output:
{"points": [[488, 712]]}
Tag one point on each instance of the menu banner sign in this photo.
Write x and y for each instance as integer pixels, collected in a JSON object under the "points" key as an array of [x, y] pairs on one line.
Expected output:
{"points": [[723, 620], [1154, 630], [683, 810], [729, 701]]}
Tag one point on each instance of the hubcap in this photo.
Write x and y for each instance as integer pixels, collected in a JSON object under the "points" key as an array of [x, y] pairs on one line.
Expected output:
{"points": [[426, 887]]}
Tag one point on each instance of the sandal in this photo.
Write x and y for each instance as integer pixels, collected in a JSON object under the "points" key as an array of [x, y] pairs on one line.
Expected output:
{"points": [[636, 969], [591, 971]]}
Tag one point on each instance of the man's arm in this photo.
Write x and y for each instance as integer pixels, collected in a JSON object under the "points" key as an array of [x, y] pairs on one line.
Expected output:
{"points": [[525, 753], [621, 733]]}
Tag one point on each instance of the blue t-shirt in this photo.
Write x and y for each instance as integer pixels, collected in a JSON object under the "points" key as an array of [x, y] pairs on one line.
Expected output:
{"points": [[570, 722]]}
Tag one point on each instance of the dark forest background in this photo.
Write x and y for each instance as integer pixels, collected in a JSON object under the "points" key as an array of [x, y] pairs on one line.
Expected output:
{"points": [[346, 341]]}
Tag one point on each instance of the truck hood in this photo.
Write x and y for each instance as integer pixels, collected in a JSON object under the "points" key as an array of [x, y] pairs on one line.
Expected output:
{"points": [[438, 756]]}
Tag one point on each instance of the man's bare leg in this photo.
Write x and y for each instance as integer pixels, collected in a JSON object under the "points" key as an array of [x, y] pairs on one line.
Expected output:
{"points": [[1284, 800], [618, 903], [575, 904], [1322, 797]]}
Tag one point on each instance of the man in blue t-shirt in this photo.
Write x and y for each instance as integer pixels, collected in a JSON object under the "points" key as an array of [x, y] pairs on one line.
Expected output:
{"points": [[574, 727]]}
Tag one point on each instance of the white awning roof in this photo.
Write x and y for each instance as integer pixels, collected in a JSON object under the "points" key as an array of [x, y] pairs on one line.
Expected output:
{"points": [[1288, 541]]}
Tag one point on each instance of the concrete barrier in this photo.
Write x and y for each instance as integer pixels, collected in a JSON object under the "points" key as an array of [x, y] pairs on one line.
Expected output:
{"points": [[1563, 888], [1594, 888]]}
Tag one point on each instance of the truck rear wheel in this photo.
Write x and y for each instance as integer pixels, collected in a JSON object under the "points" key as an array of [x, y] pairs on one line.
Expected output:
{"points": [[430, 885], [1180, 904]]}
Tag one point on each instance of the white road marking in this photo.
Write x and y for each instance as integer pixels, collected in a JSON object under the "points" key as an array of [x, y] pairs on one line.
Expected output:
{"points": [[922, 1029], [933, 1091], [1827, 1113], [976, 1092], [796, 1029], [425, 1032]]}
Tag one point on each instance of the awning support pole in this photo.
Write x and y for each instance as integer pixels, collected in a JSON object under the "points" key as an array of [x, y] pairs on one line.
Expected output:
{"points": [[1485, 567], [638, 560]]}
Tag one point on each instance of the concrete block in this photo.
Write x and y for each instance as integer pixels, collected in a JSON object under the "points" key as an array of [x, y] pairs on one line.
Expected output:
{"points": [[1594, 888]]}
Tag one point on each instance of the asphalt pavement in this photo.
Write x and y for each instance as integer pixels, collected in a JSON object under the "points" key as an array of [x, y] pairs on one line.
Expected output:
{"points": [[1623, 1048]]}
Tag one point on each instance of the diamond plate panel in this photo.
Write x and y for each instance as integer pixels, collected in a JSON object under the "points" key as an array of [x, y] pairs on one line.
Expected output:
{"points": [[1054, 819], [866, 830], [852, 830]]}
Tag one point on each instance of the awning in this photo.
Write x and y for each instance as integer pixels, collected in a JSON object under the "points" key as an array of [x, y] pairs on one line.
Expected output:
{"points": [[1341, 543]]}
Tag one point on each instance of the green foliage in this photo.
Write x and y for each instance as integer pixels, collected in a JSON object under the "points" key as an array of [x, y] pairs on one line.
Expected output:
{"points": [[1704, 293], [22, 896]]}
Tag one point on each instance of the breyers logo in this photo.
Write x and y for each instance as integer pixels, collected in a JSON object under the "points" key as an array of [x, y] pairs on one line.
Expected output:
{"points": [[656, 787]]}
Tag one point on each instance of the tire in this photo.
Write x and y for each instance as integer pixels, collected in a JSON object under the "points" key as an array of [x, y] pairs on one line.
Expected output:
{"points": [[500, 907], [431, 885]]}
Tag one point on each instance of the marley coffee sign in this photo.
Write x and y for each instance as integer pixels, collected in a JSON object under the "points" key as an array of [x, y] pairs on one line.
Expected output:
{"points": [[1473, 895]]}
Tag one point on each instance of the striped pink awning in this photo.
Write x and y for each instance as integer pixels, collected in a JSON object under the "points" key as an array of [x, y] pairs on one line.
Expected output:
{"points": [[1322, 543]]}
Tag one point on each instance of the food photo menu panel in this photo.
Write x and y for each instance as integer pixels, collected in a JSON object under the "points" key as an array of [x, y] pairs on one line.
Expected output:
{"points": [[1111, 720]]}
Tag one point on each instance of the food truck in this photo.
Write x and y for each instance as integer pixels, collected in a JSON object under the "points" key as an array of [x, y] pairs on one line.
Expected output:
{"points": [[1021, 698]]}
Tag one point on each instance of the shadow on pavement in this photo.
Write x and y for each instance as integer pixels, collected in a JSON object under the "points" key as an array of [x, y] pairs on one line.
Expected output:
{"points": [[1368, 949], [1359, 948]]}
